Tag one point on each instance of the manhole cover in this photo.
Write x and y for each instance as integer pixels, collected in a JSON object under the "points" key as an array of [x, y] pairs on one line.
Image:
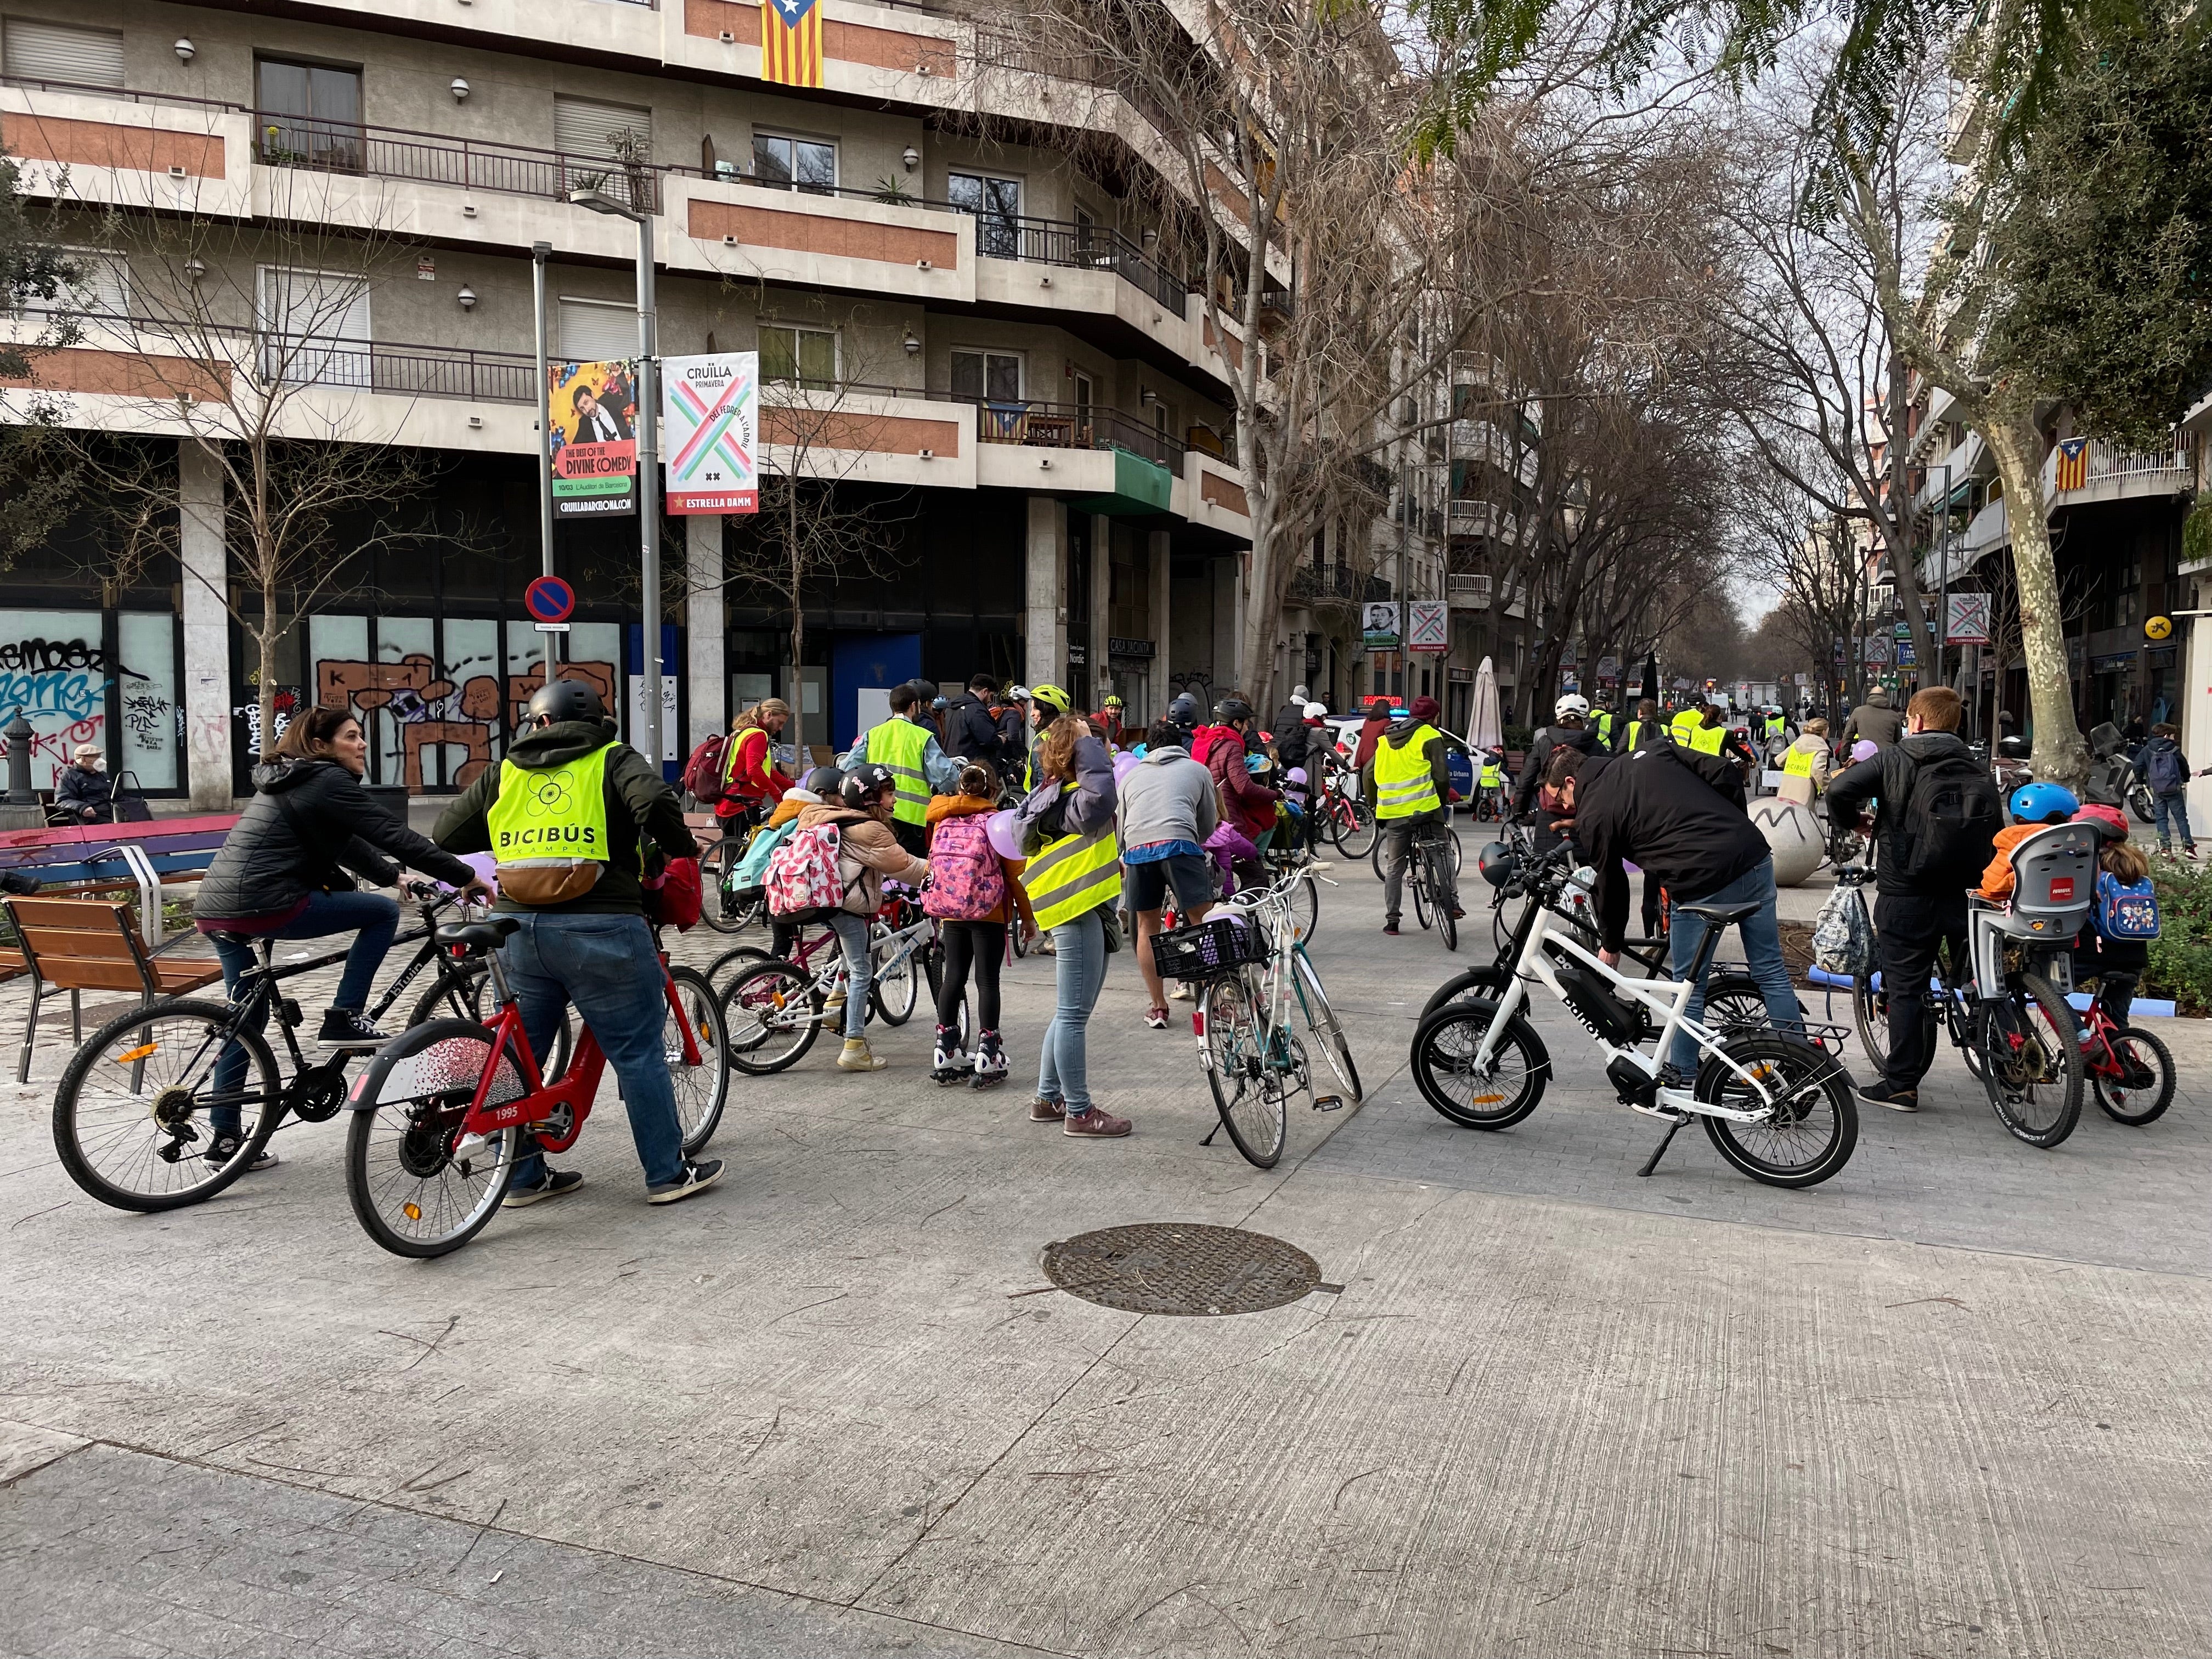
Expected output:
{"points": [[1173, 1268]]}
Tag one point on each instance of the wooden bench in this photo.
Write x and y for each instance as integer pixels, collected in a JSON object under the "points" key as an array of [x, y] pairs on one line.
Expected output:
{"points": [[98, 857], [89, 945]]}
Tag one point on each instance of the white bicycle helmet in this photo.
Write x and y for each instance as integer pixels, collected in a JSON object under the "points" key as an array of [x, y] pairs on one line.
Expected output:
{"points": [[1572, 704], [1315, 711]]}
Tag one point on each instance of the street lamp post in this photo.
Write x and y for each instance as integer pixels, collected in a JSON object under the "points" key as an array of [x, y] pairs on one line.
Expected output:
{"points": [[648, 480], [539, 253]]}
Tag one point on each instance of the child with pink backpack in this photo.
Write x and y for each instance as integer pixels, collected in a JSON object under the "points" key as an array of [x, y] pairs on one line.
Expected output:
{"points": [[975, 892]]}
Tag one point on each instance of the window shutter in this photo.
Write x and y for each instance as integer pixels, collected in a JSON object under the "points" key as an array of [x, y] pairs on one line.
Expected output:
{"points": [[582, 127], [55, 51], [594, 331]]}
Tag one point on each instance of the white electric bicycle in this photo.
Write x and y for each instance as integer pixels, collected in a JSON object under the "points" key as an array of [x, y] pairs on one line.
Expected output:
{"points": [[1775, 1103]]}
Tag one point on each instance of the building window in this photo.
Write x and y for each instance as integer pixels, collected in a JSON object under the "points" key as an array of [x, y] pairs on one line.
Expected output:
{"points": [[801, 356], [101, 286], [988, 376], [586, 129], [997, 205], [61, 54], [309, 114], [597, 331], [804, 164], [314, 327]]}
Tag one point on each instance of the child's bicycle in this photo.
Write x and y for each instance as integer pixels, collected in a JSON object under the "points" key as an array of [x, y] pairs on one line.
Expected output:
{"points": [[1773, 1102], [774, 1010], [1249, 958], [440, 1114], [2131, 1071]]}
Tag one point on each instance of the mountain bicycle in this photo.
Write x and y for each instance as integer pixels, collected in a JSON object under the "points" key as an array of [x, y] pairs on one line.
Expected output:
{"points": [[133, 1114], [1249, 961], [774, 1011], [2005, 1007], [441, 1116], [1775, 1105]]}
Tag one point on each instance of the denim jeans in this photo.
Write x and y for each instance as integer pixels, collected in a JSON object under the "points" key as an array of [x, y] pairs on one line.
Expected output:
{"points": [[2174, 808], [378, 919], [1762, 945], [606, 966], [852, 933], [1063, 1072]]}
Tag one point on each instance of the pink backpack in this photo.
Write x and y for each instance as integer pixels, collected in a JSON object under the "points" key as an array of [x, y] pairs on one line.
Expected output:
{"points": [[803, 884], [966, 881]]}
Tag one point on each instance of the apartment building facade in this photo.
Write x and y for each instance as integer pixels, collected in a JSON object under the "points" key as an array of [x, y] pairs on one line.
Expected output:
{"points": [[1023, 387]]}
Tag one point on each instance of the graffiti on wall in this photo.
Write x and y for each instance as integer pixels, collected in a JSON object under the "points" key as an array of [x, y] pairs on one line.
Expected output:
{"points": [[430, 711], [283, 705], [61, 688]]}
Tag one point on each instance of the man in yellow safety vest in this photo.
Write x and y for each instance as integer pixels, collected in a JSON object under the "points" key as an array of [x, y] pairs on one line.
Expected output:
{"points": [[906, 745], [1408, 780]]}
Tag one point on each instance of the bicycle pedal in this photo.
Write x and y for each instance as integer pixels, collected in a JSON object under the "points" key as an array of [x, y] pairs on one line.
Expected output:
{"points": [[1328, 1103]]}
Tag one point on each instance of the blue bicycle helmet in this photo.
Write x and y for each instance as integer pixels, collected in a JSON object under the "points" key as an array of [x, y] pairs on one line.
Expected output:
{"points": [[2043, 803]]}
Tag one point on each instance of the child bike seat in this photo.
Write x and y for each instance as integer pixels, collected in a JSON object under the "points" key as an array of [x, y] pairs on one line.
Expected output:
{"points": [[1716, 916], [477, 935]]}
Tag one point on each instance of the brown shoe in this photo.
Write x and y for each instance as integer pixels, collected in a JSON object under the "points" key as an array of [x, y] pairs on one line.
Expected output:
{"points": [[1046, 1111], [1096, 1122]]}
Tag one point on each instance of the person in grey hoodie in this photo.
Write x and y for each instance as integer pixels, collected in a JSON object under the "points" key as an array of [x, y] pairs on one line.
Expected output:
{"points": [[1168, 808]]}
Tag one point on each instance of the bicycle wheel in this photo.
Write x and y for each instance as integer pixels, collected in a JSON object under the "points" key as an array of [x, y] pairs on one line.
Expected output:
{"points": [[1353, 828], [719, 911], [1322, 1018], [1870, 1013], [1247, 1091], [1305, 911], [1734, 1002], [2032, 1063], [769, 1017], [722, 972], [419, 1186], [2145, 1089], [131, 1116], [896, 989], [1417, 877], [1440, 883], [464, 997], [1495, 1096], [1810, 1128], [703, 1088]]}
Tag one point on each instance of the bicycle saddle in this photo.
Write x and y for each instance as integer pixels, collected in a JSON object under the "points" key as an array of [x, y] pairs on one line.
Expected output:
{"points": [[1717, 915], [477, 935]]}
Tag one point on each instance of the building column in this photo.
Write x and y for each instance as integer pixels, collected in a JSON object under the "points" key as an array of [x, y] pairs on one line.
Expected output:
{"points": [[1097, 671], [1158, 623], [206, 624], [1228, 615], [1044, 644], [706, 632]]}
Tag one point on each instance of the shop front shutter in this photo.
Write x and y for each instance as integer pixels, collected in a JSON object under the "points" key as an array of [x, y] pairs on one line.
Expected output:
{"points": [[36, 50]]}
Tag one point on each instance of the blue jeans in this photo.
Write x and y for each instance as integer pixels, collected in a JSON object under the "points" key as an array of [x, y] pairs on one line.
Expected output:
{"points": [[1762, 945], [378, 919], [852, 933], [607, 967], [2174, 808], [1079, 948]]}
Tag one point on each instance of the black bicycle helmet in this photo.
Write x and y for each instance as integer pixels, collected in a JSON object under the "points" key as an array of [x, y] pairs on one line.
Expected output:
{"points": [[567, 700], [863, 784], [826, 781], [1498, 864], [1183, 711], [1229, 710]]}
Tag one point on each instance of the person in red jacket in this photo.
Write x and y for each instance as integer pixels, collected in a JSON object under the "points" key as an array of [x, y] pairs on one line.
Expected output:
{"points": [[1378, 720], [752, 783], [1246, 805]]}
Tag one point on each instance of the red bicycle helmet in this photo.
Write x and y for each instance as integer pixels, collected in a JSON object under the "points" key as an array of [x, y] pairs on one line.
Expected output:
{"points": [[2110, 822]]}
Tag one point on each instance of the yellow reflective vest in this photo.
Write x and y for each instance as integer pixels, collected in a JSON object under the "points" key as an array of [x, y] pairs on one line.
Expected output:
{"points": [[1073, 874], [898, 743], [557, 816], [1404, 786]]}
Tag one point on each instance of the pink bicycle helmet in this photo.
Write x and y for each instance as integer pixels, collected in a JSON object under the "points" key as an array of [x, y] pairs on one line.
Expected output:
{"points": [[2110, 820]]}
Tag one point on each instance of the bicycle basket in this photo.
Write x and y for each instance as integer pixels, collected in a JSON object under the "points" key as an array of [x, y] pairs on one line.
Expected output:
{"points": [[1209, 949]]}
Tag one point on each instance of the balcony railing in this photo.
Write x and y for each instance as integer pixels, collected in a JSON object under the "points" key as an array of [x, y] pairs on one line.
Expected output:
{"points": [[1468, 591], [1339, 583], [1071, 426], [290, 141], [418, 371], [2159, 469]]}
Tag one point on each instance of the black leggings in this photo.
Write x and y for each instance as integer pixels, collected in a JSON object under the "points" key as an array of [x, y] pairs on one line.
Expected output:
{"points": [[982, 944]]}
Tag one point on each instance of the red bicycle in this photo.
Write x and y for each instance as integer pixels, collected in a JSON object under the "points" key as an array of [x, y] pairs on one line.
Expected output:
{"points": [[441, 1116], [2132, 1071]]}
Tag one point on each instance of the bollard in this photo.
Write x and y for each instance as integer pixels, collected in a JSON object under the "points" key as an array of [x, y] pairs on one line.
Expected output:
{"points": [[19, 763]]}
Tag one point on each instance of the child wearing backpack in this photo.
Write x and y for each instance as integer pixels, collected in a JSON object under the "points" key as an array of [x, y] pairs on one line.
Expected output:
{"points": [[2165, 769], [976, 894], [2114, 949]]}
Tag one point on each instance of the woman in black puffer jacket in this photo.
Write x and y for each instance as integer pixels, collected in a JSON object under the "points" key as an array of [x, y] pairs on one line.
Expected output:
{"points": [[282, 871]]}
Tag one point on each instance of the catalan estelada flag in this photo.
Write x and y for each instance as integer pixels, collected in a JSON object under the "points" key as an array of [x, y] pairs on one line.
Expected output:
{"points": [[791, 42], [2073, 468]]}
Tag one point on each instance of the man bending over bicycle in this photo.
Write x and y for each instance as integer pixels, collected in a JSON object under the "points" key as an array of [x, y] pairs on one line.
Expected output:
{"points": [[565, 814], [1678, 815]]}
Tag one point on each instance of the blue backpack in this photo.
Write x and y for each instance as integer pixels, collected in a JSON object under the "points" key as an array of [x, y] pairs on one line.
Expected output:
{"points": [[750, 874], [2126, 910]]}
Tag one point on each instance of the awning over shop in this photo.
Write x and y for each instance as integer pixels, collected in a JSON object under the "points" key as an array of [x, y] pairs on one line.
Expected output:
{"points": [[1141, 488]]}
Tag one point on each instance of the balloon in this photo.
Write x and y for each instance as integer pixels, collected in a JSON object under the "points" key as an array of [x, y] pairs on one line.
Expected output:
{"points": [[1005, 840], [1298, 775], [1864, 750], [1124, 765], [485, 865]]}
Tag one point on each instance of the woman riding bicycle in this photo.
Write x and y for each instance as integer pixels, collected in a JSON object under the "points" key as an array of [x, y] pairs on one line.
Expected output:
{"points": [[281, 874], [752, 783]]}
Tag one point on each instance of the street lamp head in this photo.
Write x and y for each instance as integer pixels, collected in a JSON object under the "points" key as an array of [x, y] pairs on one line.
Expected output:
{"points": [[599, 202]]}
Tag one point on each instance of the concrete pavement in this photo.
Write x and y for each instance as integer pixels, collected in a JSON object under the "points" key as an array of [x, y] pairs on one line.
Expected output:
{"points": [[1954, 1401]]}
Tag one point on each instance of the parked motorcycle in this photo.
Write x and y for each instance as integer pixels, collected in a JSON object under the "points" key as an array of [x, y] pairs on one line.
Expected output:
{"points": [[2113, 779]]}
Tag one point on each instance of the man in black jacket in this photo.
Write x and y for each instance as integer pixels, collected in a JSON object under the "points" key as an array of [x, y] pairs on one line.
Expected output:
{"points": [[1913, 915], [1678, 816], [567, 787], [969, 731]]}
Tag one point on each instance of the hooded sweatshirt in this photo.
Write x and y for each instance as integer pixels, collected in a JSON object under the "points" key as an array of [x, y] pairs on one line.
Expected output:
{"points": [[1167, 796], [639, 802], [1245, 802], [1398, 736], [942, 807]]}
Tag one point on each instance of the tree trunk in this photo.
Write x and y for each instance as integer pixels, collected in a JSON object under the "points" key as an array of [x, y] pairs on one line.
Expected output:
{"points": [[1904, 565], [266, 638], [2060, 755], [1255, 656]]}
